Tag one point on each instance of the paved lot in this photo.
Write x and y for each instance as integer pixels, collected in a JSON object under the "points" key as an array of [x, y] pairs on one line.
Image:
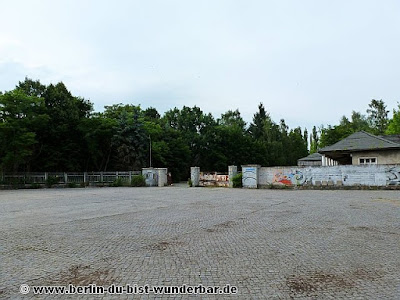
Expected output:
{"points": [[271, 244]]}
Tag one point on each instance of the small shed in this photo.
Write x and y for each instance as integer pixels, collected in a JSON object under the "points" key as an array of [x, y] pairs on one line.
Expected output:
{"points": [[314, 159]]}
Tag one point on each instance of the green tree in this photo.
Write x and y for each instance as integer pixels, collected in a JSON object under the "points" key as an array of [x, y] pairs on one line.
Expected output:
{"points": [[305, 137], [256, 129], [226, 145], [62, 142], [297, 146], [359, 122], [31, 87], [394, 123], [378, 116], [193, 124], [333, 134], [172, 152], [129, 143], [21, 116], [151, 114], [232, 118], [97, 133], [314, 140], [115, 111]]}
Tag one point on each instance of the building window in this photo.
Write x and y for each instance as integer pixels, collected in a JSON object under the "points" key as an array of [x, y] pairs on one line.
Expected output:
{"points": [[368, 160]]}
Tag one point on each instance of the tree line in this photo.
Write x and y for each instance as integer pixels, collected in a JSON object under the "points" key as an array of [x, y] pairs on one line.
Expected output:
{"points": [[375, 121], [46, 128]]}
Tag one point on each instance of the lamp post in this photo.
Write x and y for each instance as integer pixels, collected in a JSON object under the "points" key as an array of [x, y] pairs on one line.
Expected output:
{"points": [[150, 150]]}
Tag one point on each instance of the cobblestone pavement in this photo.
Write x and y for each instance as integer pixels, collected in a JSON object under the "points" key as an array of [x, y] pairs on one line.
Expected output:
{"points": [[271, 244]]}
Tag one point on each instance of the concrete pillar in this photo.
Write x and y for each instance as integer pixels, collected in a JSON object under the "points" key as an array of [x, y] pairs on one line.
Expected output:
{"points": [[150, 175], [250, 176], [162, 176], [323, 160], [232, 171], [195, 175], [65, 178]]}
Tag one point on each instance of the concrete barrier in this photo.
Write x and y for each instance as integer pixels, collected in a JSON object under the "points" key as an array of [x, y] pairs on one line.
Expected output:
{"points": [[345, 175]]}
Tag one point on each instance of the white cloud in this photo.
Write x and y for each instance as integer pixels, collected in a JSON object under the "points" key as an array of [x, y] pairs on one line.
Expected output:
{"points": [[308, 62]]}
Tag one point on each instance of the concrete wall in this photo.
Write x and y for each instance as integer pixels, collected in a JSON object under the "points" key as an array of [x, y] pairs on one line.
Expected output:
{"points": [[250, 175], [387, 157], [348, 175], [213, 179], [210, 179]]}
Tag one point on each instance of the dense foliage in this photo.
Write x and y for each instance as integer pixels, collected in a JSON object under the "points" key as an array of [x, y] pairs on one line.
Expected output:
{"points": [[46, 128], [376, 122], [237, 181]]}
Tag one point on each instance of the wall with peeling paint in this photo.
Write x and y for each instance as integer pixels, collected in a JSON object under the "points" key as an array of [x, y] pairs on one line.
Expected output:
{"points": [[213, 179], [250, 176], [346, 175]]}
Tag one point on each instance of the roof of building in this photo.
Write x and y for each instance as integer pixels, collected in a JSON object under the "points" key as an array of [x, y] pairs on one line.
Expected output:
{"points": [[312, 157], [363, 141], [393, 138]]}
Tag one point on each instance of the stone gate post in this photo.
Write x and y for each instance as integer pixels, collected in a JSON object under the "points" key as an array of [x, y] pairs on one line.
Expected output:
{"points": [[195, 175], [232, 171]]}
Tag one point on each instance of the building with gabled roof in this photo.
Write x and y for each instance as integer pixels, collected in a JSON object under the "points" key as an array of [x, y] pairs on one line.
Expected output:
{"points": [[363, 148], [314, 159]]}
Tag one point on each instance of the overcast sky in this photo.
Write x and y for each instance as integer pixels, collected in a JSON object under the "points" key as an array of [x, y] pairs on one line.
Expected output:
{"points": [[309, 62]]}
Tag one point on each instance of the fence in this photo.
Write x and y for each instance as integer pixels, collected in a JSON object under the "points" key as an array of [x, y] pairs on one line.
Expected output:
{"points": [[87, 178]]}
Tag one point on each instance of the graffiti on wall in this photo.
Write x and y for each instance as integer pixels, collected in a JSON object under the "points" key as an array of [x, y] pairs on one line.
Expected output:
{"points": [[213, 179], [345, 175], [393, 176], [294, 177], [249, 177]]}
